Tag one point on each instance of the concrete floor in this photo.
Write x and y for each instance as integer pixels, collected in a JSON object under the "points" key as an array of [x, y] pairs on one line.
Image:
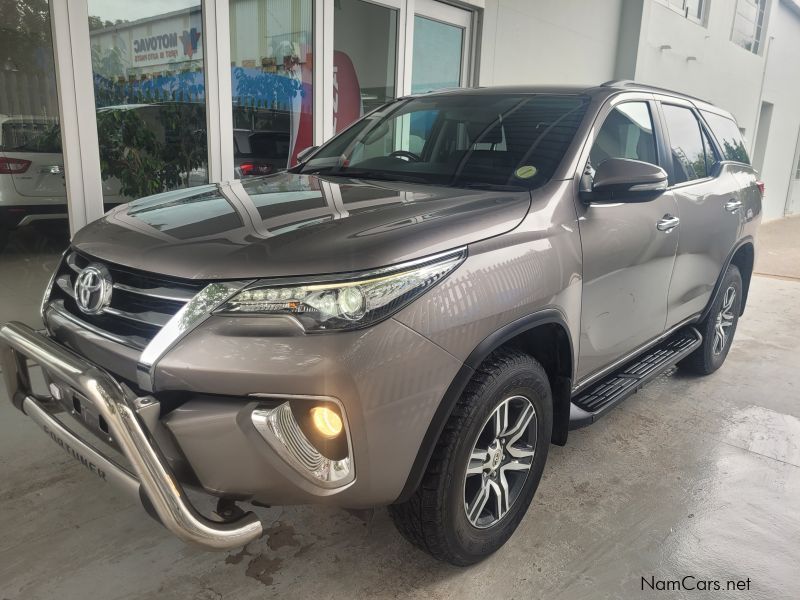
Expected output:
{"points": [[779, 248], [691, 476]]}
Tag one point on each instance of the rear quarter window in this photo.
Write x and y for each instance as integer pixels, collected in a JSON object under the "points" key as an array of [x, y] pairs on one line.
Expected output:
{"points": [[30, 136], [728, 135]]}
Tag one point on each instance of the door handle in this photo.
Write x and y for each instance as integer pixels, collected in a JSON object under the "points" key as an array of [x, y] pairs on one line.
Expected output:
{"points": [[733, 205], [667, 223]]}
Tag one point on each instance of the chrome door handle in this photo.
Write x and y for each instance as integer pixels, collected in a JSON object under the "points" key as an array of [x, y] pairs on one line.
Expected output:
{"points": [[668, 223], [733, 205]]}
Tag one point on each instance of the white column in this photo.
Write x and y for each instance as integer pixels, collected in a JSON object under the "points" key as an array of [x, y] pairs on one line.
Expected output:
{"points": [[323, 70], [73, 62], [405, 48], [219, 100]]}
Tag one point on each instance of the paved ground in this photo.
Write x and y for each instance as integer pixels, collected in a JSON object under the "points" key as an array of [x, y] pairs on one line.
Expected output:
{"points": [[779, 248], [692, 476]]}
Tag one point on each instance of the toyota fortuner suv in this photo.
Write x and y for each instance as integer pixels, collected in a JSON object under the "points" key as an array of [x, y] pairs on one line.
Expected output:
{"points": [[409, 317]]}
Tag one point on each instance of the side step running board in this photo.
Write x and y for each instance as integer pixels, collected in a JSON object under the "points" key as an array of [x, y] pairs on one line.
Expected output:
{"points": [[596, 400]]}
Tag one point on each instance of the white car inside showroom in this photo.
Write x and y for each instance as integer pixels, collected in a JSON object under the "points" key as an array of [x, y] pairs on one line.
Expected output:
{"points": [[298, 296]]}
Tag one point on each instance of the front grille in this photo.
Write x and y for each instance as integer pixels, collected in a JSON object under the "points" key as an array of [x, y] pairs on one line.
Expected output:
{"points": [[141, 303]]}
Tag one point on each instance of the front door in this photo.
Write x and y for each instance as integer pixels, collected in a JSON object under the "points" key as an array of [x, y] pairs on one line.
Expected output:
{"points": [[627, 260]]}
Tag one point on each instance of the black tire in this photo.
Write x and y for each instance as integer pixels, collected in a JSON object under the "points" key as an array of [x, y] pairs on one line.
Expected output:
{"points": [[435, 518], [709, 356]]}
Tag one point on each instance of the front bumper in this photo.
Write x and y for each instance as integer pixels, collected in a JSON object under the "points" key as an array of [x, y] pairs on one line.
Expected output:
{"points": [[152, 477]]}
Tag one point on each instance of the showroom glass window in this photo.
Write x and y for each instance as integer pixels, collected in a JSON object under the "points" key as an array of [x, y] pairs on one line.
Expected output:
{"points": [[438, 51], [149, 86], [688, 148], [271, 80], [33, 202], [364, 59]]}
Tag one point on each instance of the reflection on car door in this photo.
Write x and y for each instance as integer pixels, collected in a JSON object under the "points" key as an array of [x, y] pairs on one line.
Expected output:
{"points": [[709, 207], [627, 261]]}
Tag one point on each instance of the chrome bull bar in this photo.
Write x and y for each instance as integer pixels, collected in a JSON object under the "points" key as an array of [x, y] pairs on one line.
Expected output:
{"points": [[151, 475]]}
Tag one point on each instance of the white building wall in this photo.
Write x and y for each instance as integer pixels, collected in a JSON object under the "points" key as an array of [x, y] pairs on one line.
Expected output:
{"points": [[782, 89], [591, 41], [549, 41], [721, 72]]}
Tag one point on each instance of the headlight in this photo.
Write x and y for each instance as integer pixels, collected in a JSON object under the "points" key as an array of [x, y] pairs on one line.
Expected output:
{"points": [[345, 301]]}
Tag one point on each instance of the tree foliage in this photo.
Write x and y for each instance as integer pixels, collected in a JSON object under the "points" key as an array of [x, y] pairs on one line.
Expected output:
{"points": [[151, 154]]}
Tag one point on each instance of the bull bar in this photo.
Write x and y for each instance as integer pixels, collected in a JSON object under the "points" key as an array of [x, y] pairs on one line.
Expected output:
{"points": [[152, 478]]}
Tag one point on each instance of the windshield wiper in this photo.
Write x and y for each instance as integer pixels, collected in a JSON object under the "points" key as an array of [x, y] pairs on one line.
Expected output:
{"points": [[367, 174], [495, 187]]}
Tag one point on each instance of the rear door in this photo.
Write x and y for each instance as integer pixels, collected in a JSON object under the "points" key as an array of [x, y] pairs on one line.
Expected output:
{"points": [[627, 260], [707, 191]]}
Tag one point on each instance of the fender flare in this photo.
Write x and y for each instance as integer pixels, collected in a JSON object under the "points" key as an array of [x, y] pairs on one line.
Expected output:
{"points": [[718, 285], [464, 375]]}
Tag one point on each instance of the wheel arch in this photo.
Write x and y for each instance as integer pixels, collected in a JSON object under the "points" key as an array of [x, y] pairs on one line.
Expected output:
{"points": [[743, 256], [544, 335]]}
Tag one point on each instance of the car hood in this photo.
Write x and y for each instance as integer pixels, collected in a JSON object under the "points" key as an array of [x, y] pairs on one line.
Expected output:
{"points": [[290, 224]]}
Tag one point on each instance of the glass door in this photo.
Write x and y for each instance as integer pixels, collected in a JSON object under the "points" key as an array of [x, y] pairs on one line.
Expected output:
{"points": [[33, 199], [441, 48], [365, 57], [149, 80]]}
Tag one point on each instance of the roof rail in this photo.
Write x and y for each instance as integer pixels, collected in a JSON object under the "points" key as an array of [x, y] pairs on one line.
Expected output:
{"points": [[617, 83], [625, 83]]}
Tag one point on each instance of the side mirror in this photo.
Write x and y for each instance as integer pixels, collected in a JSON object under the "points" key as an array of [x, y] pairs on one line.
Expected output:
{"points": [[305, 153], [625, 180]]}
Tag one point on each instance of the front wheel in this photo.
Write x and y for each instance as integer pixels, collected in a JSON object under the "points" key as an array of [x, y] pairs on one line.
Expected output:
{"points": [[486, 465], [718, 328]]}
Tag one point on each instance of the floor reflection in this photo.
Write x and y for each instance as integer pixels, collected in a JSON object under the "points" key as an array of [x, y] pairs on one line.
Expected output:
{"points": [[26, 263]]}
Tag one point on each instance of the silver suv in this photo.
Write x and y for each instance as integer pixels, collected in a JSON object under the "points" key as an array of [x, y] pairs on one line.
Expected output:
{"points": [[409, 318]]}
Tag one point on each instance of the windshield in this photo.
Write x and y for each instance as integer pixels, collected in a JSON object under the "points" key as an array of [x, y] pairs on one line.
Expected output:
{"points": [[467, 140]]}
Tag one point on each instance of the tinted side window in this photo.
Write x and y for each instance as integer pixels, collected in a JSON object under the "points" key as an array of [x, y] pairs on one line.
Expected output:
{"points": [[712, 157], [729, 137], [626, 133], [686, 144]]}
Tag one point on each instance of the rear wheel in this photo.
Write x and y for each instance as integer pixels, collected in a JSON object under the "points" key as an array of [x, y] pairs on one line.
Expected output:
{"points": [[486, 465], [718, 328]]}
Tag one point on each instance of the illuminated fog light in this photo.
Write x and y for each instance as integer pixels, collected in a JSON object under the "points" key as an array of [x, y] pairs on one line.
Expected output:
{"points": [[277, 425], [327, 422]]}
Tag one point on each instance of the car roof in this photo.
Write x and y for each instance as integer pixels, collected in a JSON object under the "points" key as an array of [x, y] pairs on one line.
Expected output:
{"points": [[603, 90]]}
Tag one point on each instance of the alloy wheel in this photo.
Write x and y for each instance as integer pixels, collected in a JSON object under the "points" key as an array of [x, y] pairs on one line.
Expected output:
{"points": [[500, 461], [724, 321]]}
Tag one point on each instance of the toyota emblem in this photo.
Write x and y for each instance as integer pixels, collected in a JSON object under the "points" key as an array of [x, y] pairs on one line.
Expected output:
{"points": [[93, 288]]}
